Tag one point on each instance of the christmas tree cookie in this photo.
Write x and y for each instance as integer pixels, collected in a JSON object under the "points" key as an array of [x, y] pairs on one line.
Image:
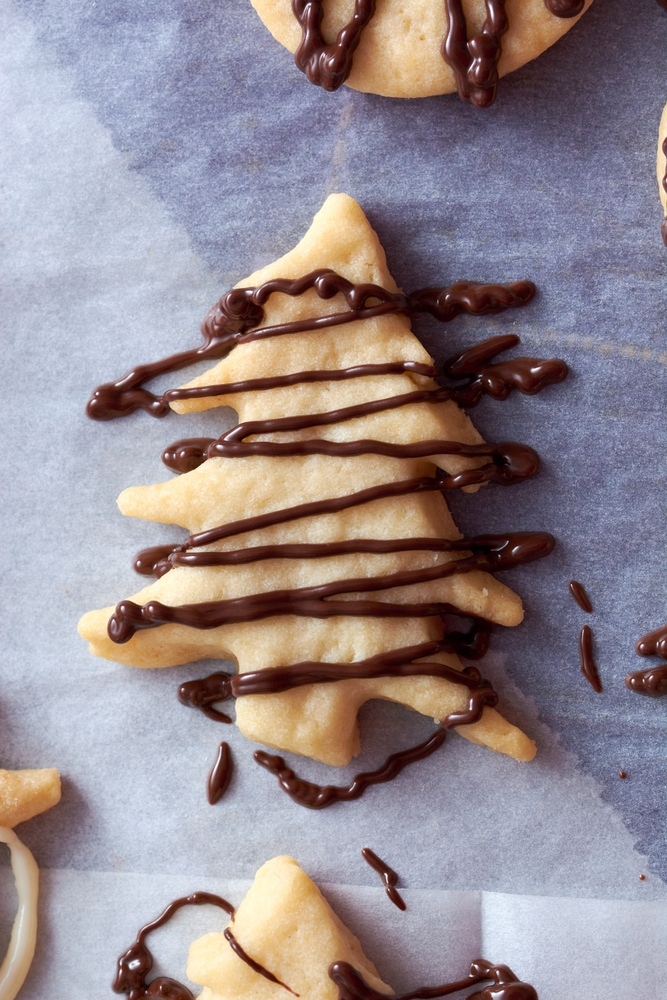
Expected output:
{"points": [[280, 480]]}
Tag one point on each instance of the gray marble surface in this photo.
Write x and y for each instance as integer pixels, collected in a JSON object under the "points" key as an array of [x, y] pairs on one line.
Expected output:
{"points": [[155, 154]]}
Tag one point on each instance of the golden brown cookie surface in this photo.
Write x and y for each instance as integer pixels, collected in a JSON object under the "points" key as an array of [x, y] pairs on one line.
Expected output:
{"points": [[399, 52], [319, 720]]}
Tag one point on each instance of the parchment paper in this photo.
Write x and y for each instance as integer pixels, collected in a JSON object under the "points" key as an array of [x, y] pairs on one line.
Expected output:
{"points": [[156, 153]]}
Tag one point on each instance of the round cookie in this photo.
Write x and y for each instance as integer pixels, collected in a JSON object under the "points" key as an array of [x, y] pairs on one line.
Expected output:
{"points": [[399, 48], [662, 169]]}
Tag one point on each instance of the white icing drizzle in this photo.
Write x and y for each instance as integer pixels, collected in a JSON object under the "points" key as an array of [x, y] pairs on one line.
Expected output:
{"points": [[21, 949]]}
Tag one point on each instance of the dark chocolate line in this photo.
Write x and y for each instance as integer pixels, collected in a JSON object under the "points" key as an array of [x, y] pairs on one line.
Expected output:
{"points": [[580, 596], [653, 643], [236, 317], [255, 966], [299, 378], [503, 552], [387, 874], [218, 687], [499, 549], [588, 667], [312, 796], [328, 65], [134, 965], [568, 8], [474, 62], [506, 986], [221, 774]]}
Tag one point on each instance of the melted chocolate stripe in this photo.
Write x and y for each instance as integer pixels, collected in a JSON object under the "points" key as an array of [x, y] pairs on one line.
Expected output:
{"points": [[580, 596], [588, 666], [134, 965], [255, 966], [328, 66], [311, 601], [506, 986], [300, 378], [653, 643], [511, 462], [565, 8], [239, 312], [475, 62], [218, 687], [273, 680], [315, 507], [221, 774], [313, 796], [159, 559], [498, 552], [387, 874]]}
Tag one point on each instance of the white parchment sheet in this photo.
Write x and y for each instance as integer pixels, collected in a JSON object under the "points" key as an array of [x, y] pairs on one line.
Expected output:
{"points": [[155, 154]]}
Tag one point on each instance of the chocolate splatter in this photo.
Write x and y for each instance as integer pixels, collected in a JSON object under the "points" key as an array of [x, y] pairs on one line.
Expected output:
{"points": [[387, 874], [653, 680], [313, 796], [580, 596], [588, 667], [221, 774], [135, 964]]}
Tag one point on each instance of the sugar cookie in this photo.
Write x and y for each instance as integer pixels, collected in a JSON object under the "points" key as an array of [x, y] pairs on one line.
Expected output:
{"points": [[313, 512], [662, 170], [285, 938], [419, 49]]}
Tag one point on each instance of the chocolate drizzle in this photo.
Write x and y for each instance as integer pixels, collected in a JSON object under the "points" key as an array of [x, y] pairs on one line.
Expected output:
{"points": [[474, 62], [580, 596], [221, 774], [387, 874], [529, 375], [313, 796], [497, 552], [234, 319], [394, 663], [653, 680], [328, 66], [135, 964], [504, 984], [491, 552], [255, 966], [588, 667]]}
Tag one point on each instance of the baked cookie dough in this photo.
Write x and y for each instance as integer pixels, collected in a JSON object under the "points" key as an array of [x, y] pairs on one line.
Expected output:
{"points": [[285, 938], [319, 720], [23, 794], [287, 926], [662, 170], [399, 50]]}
